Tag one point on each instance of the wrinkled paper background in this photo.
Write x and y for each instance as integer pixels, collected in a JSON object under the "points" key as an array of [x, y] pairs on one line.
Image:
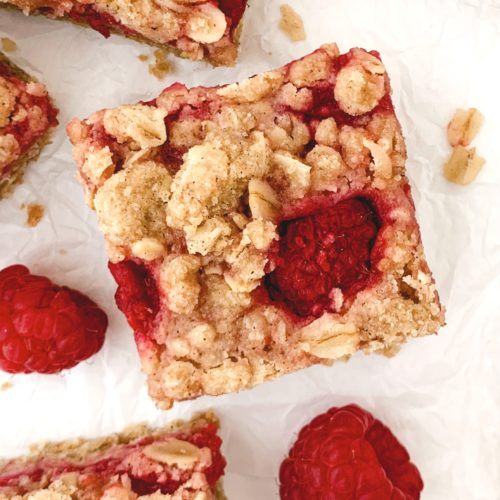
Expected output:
{"points": [[440, 395]]}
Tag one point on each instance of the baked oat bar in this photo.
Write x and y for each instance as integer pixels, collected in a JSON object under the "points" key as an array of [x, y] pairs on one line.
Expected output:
{"points": [[27, 116], [179, 462], [195, 29], [261, 227]]}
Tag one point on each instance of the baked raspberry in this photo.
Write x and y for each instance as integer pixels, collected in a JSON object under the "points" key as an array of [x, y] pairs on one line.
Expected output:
{"points": [[136, 294], [182, 460], [346, 453], [45, 328], [325, 250]]}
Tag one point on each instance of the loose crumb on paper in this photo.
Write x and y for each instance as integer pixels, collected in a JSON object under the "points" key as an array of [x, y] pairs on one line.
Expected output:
{"points": [[34, 214], [162, 66], [464, 126], [143, 57], [292, 24], [8, 45], [463, 166], [6, 386], [390, 352]]}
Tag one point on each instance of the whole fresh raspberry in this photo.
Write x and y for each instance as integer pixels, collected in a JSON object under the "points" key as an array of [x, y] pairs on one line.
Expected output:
{"points": [[45, 328], [347, 454]]}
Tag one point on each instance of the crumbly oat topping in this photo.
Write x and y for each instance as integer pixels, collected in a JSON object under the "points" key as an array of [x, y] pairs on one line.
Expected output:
{"points": [[291, 23], [360, 84], [197, 30], [203, 210], [9, 150], [131, 205]]}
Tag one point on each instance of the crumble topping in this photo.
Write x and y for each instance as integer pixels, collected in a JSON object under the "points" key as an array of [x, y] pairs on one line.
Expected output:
{"points": [[326, 338], [196, 30], [205, 185], [9, 150], [360, 84], [179, 279], [131, 205], [7, 102], [143, 126], [291, 23]]}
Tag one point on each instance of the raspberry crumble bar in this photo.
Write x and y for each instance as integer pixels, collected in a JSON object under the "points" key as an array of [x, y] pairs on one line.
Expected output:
{"points": [[261, 227], [179, 462], [195, 29], [27, 116]]}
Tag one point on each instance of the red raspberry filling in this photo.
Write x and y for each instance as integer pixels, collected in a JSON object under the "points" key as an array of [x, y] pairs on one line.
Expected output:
{"points": [[100, 21], [137, 295], [329, 248], [45, 328], [98, 473], [233, 9], [346, 453]]}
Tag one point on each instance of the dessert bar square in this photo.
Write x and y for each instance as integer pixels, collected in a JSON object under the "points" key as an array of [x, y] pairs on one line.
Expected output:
{"points": [[180, 462], [27, 116], [199, 29], [260, 227]]}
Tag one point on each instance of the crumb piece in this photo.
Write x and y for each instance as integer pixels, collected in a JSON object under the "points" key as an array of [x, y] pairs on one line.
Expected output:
{"points": [[63, 251], [8, 45], [390, 352], [463, 166], [143, 57], [6, 386], [34, 212], [291, 23], [464, 126], [162, 66]]}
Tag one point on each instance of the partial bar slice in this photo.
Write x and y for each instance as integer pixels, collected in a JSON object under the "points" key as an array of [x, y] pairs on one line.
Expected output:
{"points": [[261, 227], [196, 29], [180, 462], [27, 116]]}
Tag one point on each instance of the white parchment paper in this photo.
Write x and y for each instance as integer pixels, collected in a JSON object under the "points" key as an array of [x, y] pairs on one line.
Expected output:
{"points": [[440, 395]]}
